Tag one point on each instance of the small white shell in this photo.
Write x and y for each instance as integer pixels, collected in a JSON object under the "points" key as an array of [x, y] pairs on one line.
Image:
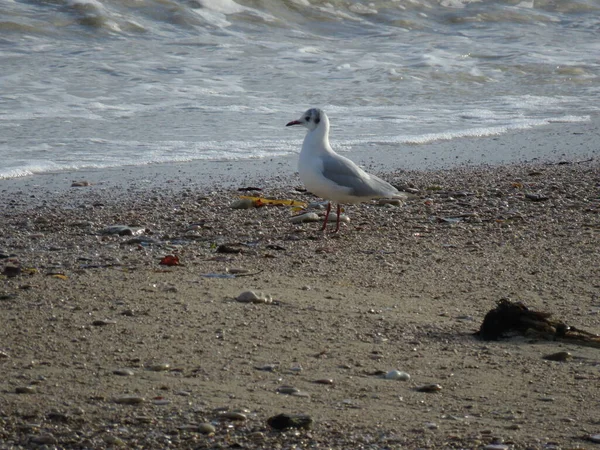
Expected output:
{"points": [[306, 217], [397, 375]]}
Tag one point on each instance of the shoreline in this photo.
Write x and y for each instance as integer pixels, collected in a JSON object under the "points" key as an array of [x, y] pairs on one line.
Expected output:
{"points": [[551, 143]]}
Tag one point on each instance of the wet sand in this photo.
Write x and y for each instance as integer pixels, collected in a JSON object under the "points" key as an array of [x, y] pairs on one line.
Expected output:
{"points": [[102, 346]]}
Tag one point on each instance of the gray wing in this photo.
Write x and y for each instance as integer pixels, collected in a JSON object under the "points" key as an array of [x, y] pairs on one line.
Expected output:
{"points": [[346, 173]]}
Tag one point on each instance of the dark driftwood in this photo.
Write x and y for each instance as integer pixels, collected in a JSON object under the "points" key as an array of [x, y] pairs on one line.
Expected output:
{"points": [[515, 317]]}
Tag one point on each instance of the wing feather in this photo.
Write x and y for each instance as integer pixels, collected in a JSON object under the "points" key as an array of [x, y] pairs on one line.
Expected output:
{"points": [[346, 173]]}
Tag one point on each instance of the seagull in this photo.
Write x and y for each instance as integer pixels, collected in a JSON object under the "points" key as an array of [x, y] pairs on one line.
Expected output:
{"points": [[331, 176]]}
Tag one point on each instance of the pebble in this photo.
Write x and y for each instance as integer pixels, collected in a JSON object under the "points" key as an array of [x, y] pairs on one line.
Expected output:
{"points": [[595, 438], [206, 428], [11, 271], [56, 416], [26, 390], [81, 183], [121, 230], [159, 367], [397, 375], [390, 201], [114, 441], [243, 203], [558, 356], [143, 419], [267, 367], [4, 355], [496, 447], [284, 421], [233, 415], [288, 390], [256, 436], [328, 381], [343, 218], [305, 218], [430, 388], [296, 368], [43, 439], [252, 297], [103, 322], [536, 197], [129, 400]]}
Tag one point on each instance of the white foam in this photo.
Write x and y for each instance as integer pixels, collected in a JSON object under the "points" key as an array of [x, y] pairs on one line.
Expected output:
{"points": [[476, 132], [223, 6]]}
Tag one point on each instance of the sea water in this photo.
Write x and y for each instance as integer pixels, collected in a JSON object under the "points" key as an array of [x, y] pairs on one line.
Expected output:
{"points": [[109, 83]]}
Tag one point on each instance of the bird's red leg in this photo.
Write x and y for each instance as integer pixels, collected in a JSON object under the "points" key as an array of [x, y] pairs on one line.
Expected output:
{"points": [[326, 216], [339, 213]]}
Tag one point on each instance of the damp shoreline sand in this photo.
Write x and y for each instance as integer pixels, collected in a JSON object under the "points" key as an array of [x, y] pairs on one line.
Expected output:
{"points": [[93, 320]]}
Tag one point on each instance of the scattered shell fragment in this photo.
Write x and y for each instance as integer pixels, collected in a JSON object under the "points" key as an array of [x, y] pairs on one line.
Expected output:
{"points": [[206, 428], [253, 297], [595, 438], [130, 400], [25, 390], [328, 381], [288, 390], [4, 355], [390, 201], [429, 388], [397, 375], [305, 218], [343, 218], [496, 447], [121, 230], [301, 394], [162, 367], [233, 415], [558, 356]]}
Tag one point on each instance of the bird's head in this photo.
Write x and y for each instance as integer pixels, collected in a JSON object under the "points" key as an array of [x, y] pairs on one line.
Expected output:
{"points": [[310, 119]]}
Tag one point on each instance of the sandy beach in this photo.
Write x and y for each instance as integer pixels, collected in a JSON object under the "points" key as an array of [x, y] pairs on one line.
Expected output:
{"points": [[102, 346]]}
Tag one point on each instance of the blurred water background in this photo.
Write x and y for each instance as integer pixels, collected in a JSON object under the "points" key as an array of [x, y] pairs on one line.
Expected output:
{"points": [[109, 83]]}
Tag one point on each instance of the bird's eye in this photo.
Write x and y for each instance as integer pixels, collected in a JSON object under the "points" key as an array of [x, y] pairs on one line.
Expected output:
{"points": [[307, 118], [317, 120]]}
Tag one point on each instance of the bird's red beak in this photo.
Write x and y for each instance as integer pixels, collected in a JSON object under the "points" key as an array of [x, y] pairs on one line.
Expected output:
{"points": [[294, 122]]}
